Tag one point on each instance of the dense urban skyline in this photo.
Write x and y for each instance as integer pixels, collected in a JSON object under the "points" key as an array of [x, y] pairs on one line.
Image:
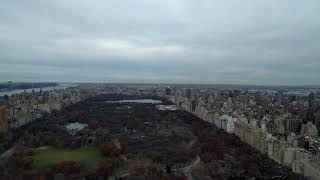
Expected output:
{"points": [[234, 42]]}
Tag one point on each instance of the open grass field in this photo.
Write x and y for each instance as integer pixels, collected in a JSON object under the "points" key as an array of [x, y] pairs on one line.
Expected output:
{"points": [[46, 157]]}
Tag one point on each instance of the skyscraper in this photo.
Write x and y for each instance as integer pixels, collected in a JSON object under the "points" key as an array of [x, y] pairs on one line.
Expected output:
{"points": [[312, 102], [168, 91], [10, 85], [4, 114], [188, 93]]}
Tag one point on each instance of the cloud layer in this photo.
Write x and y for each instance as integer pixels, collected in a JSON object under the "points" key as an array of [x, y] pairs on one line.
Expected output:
{"points": [[166, 41]]}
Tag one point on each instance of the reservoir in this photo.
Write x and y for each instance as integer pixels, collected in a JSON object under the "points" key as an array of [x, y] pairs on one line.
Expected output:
{"points": [[144, 101]]}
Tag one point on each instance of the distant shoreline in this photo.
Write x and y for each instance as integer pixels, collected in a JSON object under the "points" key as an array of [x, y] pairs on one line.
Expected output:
{"points": [[23, 85], [37, 89]]}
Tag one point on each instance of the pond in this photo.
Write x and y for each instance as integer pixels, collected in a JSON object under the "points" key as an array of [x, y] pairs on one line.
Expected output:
{"points": [[73, 128], [167, 107], [145, 101]]}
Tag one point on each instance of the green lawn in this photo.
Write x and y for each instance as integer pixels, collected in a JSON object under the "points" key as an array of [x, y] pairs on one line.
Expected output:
{"points": [[87, 155]]}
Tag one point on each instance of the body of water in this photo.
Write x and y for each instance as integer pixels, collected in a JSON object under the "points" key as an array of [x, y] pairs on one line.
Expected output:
{"points": [[145, 101], [298, 93], [73, 128], [17, 91]]}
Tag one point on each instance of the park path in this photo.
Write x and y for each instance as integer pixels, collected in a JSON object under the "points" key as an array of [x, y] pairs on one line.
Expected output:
{"points": [[187, 170]]}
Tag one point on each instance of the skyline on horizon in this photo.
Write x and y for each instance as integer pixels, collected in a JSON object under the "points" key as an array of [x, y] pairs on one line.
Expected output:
{"points": [[178, 84], [167, 42]]}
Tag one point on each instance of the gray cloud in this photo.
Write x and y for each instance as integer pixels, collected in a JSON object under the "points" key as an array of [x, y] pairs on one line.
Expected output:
{"points": [[183, 41]]}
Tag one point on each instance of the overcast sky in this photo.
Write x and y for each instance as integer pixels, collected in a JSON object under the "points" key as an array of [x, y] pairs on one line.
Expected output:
{"points": [[163, 41]]}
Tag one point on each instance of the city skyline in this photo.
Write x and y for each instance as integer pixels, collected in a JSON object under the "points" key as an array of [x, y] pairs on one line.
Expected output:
{"points": [[207, 42]]}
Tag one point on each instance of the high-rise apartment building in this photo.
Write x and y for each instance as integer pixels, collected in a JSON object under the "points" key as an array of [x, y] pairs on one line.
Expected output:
{"points": [[4, 115]]}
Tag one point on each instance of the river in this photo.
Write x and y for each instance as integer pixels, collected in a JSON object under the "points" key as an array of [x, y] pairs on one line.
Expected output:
{"points": [[17, 91]]}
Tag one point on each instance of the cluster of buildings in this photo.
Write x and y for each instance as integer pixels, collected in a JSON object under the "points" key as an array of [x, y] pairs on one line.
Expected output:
{"points": [[283, 126], [19, 109], [280, 125]]}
